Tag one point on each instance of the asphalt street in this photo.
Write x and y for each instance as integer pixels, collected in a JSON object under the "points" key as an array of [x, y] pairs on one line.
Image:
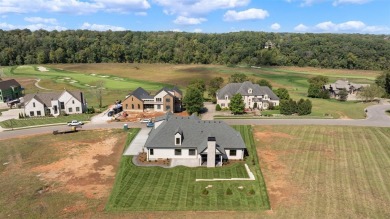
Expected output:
{"points": [[376, 117]]}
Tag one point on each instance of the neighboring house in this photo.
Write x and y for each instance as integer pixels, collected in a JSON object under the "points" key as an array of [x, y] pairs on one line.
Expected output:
{"points": [[352, 89], [197, 142], [53, 103], [269, 45], [9, 90], [251, 94], [165, 100]]}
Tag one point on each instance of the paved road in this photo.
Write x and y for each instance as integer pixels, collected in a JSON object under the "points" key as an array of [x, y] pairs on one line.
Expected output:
{"points": [[376, 116]]}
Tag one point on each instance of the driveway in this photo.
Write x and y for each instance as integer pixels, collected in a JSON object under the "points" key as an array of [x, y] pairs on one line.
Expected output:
{"points": [[138, 142], [209, 114], [10, 114]]}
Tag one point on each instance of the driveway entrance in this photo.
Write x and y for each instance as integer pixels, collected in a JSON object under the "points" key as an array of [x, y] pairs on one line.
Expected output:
{"points": [[138, 142]]}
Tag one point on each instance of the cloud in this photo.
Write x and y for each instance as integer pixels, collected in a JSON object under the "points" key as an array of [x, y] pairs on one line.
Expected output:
{"points": [[345, 27], [275, 26], [41, 20], [141, 13], [101, 27], [339, 2], [32, 27], [250, 14], [188, 20], [305, 3], [72, 6], [301, 28], [198, 30], [198, 7]]}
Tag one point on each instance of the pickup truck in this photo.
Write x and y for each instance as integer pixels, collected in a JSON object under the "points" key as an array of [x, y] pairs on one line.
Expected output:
{"points": [[75, 123]]}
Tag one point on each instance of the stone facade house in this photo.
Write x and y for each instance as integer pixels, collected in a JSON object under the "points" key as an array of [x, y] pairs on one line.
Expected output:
{"points": [[165, 100], [9, 90], [194, 142], [352, 89], [54, 103], [251, 93]]}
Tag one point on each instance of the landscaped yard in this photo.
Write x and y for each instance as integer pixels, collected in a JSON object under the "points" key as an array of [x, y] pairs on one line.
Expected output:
{"points": [[326, 172], [160, 189], [34, 121]]}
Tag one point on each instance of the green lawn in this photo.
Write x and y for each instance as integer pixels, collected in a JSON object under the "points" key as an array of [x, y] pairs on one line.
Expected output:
{"points": [[326, 172], [17, 123], [175, 189]]}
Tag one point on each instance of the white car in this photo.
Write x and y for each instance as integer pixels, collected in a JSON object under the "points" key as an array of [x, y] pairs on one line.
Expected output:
{"points": [[145, 120], [75, 123]]}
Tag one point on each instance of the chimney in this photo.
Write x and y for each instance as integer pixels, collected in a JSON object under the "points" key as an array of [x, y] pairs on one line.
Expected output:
{"points": [[211, 147]]}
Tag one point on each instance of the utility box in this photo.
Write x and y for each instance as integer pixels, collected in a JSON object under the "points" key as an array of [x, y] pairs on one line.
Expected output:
{"points": [[125, 127]]}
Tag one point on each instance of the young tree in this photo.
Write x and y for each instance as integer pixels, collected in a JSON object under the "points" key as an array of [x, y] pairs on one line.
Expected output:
{"points": [[98, 90], [304, 107], [343, 95], [263, 82], [288, 107], [237, 104], [214, 85], [193, 100], [282, 93], [238, 78], [371, 92]]}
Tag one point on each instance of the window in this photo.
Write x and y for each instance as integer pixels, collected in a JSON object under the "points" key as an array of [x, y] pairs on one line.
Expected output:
{"points": [[233, 152], [62, 105], [72, 101], [222, 104], [167, 100], [139, 107], [167, 107], [126, 105], [191, 152], [158, 106], [158, 99], [132, 99], [38, 113], [70, 109], [77, 109], [151, 151], [178, 152], [33, 104], [31, 113], [178, 141], [132, 106]]}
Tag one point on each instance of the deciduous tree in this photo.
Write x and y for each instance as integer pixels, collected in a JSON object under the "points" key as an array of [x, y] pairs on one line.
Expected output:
{"points": [[193, 100], [237, 104]]}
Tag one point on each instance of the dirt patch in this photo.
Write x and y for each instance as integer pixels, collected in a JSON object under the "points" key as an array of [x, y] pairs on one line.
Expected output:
{"points": [[281, 190], [268, 136], [138, 116], [87, 168]]}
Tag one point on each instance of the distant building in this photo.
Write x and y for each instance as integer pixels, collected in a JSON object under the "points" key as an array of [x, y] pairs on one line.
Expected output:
{"points": [[269, 45], [53, 103], [9, 90], [251, 94], [352, 88], [165, 100], [194, 142]]}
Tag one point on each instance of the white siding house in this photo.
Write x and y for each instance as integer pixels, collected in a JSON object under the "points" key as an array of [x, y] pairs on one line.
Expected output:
{"points": [[45, 104]]}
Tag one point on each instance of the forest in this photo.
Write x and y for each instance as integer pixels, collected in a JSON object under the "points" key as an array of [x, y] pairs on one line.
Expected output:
{"points": [[348, 51]]}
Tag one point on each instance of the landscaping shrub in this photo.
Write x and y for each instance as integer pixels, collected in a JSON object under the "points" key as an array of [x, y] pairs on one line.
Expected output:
{"points": [[218, 107]]}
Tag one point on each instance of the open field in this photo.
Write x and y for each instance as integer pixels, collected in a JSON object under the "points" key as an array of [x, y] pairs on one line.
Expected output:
{"points": [[326, 172], [16, 123], [67, 176], [120, 79], [175, 189]]}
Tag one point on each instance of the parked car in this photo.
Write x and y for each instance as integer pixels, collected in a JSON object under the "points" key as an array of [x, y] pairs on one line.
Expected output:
{"points": [[145, 121], [150, 124], [75, 123]]}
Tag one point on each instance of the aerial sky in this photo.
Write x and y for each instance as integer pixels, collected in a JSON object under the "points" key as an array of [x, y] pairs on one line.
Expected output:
{"points": [[207, 16]]}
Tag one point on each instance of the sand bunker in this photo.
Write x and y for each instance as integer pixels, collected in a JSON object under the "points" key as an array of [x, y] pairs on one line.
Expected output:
{"points": [[41, 68]]}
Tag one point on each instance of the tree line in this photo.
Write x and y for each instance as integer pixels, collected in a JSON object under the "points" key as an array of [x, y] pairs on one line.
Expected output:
{"points": [[352, 51]]}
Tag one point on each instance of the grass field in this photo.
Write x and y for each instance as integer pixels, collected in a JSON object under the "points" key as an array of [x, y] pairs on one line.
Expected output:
{"points": [[121, 78], [175, 189], [16, 123], [326, 172]]}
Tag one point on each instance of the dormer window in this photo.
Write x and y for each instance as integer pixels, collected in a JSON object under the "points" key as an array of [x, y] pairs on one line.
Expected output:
{"points": [[178, 136], [178, 141], [266, 96], [249, 90], [226, 97]]}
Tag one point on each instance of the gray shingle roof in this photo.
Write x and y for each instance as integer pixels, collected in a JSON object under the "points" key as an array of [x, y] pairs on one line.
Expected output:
{"points": [[195, 134], [46, 98], [170, 90], [8, 83], [343, 84], [141, 94], [242, 88]]}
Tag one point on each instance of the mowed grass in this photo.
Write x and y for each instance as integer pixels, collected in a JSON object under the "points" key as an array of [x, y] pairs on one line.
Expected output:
{"points": [[17, 123], [326, 172], [20, 185], [175, 189]]}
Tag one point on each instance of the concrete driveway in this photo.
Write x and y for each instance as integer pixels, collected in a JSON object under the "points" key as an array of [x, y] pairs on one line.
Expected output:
{"points": [[209, 114], [138, 142], [10, 114]]}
